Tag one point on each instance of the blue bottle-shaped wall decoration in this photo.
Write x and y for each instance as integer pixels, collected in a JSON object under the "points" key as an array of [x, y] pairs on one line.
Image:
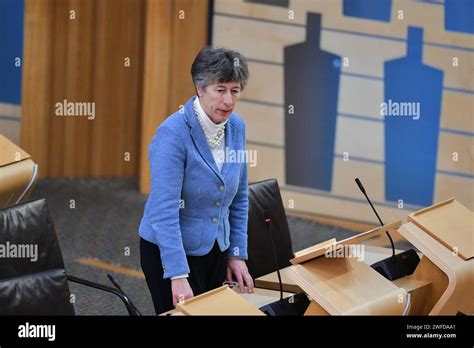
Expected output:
{"points": [[459, 15], [311, 90], [412, 116], [281, 3], [378, 10]]}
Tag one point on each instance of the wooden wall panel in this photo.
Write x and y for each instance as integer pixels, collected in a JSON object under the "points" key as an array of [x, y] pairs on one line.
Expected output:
{"points": [[82, 59], [171, 44], [156, 78], [188, 37], [36, 106], [58, 84], [80, 69], [117, 91], [79, 57]]}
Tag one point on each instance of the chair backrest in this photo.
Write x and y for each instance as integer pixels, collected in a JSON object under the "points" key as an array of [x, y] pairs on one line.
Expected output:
{"points": [[33, 280], [265, 195]]}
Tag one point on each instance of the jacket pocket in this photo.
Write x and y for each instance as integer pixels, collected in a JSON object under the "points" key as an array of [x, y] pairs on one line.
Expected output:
{"points": [[191, 231]]}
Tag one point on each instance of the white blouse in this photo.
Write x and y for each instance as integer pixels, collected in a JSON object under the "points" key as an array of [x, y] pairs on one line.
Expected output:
{"points": [[211, 129]]}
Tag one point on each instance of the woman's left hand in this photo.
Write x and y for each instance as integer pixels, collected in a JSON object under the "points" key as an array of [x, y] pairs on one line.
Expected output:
{"points": [[238, 268]]}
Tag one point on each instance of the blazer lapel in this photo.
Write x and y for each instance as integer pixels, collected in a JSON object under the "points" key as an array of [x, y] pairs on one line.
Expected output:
{"points": [[229, 145], [199, 139]]}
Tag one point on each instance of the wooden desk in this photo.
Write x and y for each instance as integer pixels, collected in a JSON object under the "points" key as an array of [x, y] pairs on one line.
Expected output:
{"points": [[451, 277], [259, 298], [450, 223], [346, 286], [270, 282], [372, 254]]}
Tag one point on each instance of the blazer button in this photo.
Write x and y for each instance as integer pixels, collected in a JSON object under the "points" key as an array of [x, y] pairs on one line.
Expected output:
{"points": [[214, 220], [218, 203], [221, 187]]}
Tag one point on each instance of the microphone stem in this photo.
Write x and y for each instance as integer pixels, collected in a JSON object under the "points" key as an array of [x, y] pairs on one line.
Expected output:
{"points": [[382, 224]]}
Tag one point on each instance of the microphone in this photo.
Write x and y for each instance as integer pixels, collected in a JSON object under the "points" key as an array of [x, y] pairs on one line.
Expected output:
{"points": [[396, 266], [295, 304], [361, 187]]}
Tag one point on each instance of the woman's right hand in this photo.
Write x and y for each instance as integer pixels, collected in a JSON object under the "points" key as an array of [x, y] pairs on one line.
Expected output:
{"points": [[181, 290]]}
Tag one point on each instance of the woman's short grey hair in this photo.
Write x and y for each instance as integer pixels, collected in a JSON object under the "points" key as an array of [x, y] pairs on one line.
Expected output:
{"points": [[219, 65]]}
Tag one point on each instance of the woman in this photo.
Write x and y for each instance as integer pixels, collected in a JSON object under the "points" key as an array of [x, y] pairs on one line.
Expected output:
{"points": [[194, 227]]}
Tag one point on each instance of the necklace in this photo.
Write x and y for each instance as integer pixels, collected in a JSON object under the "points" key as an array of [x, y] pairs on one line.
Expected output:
{"points": [[214, 141]]}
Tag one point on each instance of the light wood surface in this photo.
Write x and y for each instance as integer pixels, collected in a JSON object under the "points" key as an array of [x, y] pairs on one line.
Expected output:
{"points": [[220, 301], [16, 171], [262, 297], [450, 223], [311, 253], [14, 179], [270, 281], [410, 284], [10, 152], [371, 255], [347, 286], [315, 309], [423, 301], [259, 298], [316, 247], [452, 277]]}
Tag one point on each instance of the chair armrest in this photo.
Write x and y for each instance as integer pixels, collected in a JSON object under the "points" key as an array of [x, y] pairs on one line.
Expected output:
{"points": [[126, 301]]}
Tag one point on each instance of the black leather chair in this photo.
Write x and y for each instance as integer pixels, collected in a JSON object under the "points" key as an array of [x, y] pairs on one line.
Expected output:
{"points": [[37, 287], [265, 195]]}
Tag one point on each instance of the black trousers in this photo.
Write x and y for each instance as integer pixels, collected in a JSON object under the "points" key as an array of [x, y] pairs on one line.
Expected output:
{"points": [[207, 272]]}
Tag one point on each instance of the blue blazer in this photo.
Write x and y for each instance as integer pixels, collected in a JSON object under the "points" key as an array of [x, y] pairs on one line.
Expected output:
{"points": [[191, 203]]}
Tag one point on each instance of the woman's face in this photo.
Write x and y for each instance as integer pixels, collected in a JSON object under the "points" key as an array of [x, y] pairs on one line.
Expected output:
{"points": [[218, 100]]}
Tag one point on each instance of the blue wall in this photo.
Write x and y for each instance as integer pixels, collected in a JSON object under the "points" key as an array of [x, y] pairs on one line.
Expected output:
{"points": [[11, 46]]}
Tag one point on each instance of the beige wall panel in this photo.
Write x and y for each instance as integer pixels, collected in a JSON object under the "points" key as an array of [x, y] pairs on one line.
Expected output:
{"points": [[11, 130], [448, 186], [415, 14], [266, 83], [267, 39], [457, 111], [464, 146], [348, 138], [269, 164], [332, 206], [263, 123]]}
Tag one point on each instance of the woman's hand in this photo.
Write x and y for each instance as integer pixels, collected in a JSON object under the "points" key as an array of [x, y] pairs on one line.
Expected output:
{"points": [[181, 290], [238, 268]]}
